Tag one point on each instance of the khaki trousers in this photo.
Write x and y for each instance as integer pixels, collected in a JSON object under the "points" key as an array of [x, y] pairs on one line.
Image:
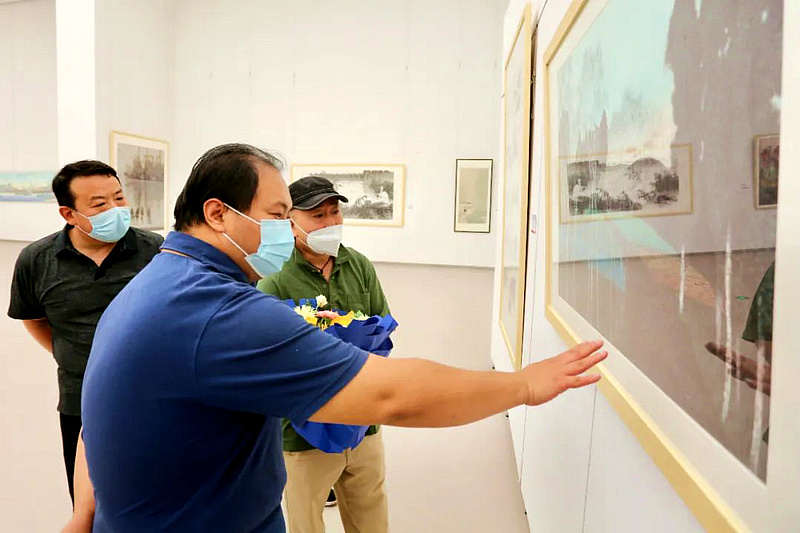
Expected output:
{"points": [[357, 476]]}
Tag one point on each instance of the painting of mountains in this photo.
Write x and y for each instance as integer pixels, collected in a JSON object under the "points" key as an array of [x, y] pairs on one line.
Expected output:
{"points": [[597, 188]]}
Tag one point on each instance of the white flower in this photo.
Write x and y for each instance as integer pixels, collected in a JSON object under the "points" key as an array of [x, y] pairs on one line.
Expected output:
{"points": [[321, 301]]}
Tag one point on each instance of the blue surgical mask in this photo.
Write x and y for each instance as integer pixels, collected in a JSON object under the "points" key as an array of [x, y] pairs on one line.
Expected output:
{"points": [[277, 243], [110, 225]]}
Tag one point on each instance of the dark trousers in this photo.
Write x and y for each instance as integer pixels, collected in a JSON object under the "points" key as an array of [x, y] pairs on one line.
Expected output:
{"points": [[70, 430]]}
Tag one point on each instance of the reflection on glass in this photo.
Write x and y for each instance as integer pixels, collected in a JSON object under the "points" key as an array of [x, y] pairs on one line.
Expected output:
{"points": [[667, 128]]}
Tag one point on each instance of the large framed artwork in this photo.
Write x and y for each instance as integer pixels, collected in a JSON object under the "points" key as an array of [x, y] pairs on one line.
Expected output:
{"points": [[652, 242], [516, 144], [142, 166], [473, 210], [766, 152], [376, 193]]}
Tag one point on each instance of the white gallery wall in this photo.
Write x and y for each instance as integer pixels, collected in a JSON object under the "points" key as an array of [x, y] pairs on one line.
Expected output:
{"points": [[392, 82], [28, 106], [134, 78]]}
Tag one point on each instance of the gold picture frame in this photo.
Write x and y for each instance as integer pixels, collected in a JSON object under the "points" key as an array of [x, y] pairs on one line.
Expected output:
{"points": [[381, 202], [701, 492], [142, 165], [516, 144]]}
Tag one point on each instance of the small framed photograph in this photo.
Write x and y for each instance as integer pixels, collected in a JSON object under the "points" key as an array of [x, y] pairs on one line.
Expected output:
{"points": [[376, 193], [766, 155], [141, 164], [473, 209]]}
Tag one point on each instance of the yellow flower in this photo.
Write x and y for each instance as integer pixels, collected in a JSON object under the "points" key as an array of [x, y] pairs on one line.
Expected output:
{"points": [[308, 314], [344, 320]]}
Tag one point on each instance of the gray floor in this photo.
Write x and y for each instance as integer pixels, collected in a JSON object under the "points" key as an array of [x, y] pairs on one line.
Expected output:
{"points": [[458, 479]]}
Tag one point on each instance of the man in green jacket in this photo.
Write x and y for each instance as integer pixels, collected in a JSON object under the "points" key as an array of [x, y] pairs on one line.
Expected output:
{"points": [[321, 265]]}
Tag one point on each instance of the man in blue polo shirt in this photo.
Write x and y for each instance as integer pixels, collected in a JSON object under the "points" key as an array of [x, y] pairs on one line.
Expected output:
{"points": [[192, 369]]}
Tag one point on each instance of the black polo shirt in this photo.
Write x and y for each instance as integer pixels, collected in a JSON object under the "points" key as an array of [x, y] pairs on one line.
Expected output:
{"points": [[53, 280]]}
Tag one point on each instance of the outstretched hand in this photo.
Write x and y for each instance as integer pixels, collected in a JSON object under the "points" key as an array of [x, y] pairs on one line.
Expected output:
{"points": [[744, 368], [549, 378]]}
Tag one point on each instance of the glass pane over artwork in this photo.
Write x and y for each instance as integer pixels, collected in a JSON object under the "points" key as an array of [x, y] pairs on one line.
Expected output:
{"points": [[665, 128]]}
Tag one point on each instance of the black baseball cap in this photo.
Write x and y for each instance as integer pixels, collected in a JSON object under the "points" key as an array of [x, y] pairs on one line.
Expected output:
{"points": [[307, 193]]}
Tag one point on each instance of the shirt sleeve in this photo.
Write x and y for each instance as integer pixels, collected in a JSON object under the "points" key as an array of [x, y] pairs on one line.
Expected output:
{"points": [[24, 304], [378, 304], [257, 355], [759, 321]]}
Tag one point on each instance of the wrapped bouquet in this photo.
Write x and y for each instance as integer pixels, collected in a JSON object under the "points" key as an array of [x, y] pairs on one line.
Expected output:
{"points": [[371, 334]]}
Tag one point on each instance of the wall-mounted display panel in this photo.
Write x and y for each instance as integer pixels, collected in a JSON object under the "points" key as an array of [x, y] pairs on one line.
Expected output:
{"points": [[653, 241], [516, 145]]}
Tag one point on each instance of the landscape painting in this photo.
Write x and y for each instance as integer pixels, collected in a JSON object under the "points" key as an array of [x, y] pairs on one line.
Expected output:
{"points": [[375, 193], [622, 185], [26, 187], [473, 195], [141, 164]]}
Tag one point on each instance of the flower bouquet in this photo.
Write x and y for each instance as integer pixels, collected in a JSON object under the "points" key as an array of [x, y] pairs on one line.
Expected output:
{"points": [[371, 334]]}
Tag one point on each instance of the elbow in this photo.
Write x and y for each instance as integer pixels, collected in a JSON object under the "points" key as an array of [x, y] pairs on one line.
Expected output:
{"points": [[395, 410]]}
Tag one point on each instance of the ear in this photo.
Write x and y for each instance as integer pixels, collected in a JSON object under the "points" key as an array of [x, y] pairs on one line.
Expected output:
{"points": [[214, 211], [68, 215], [293, 222]]}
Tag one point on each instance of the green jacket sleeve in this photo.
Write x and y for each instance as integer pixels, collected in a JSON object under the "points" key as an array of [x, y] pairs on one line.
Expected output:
{"points": [[377, 300]]}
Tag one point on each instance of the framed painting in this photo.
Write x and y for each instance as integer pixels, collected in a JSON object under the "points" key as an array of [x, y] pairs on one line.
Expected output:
{"points": [[603, 186], [376, 193], [27, 187], [473, 209], [766, 154], [684, 302], [142, 166], [516, 144]]}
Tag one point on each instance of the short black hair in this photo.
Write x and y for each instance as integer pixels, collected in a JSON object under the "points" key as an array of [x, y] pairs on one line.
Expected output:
{"points": [[78, 169], [227, 173]]}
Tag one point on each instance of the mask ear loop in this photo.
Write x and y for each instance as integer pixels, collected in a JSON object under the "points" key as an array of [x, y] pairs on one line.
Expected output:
{"points": [[254, 221], [234, 243]]}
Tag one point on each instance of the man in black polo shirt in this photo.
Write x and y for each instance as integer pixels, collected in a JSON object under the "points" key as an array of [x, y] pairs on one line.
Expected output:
{"points": [[63, 282]]}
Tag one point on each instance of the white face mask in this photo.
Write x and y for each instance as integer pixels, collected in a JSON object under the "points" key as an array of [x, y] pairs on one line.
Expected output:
{"points": [[324, 241]]}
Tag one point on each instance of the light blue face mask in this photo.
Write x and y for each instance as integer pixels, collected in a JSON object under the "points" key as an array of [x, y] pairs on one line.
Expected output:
{"points": [[109, 226], [277, 243]]}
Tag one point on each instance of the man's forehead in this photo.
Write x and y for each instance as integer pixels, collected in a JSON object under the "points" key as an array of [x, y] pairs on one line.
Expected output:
{"points": [[97, 184]]}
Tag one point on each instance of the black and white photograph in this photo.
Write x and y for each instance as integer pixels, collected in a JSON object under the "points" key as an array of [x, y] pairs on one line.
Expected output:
{"points": [[375, 192], [473, 195], [141, 164], [607, 186]]}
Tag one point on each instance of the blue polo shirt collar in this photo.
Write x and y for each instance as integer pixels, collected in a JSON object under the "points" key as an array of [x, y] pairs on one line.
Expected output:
{"points": [[205, 253]]}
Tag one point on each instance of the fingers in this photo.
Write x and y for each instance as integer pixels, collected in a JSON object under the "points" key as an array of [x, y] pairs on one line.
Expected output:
{"points": [[577, 382], [582, 365], [716, 349], [583, 350]]}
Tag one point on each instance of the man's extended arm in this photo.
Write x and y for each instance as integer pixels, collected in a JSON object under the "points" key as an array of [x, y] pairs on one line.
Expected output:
{"points": [[420, 393]]}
